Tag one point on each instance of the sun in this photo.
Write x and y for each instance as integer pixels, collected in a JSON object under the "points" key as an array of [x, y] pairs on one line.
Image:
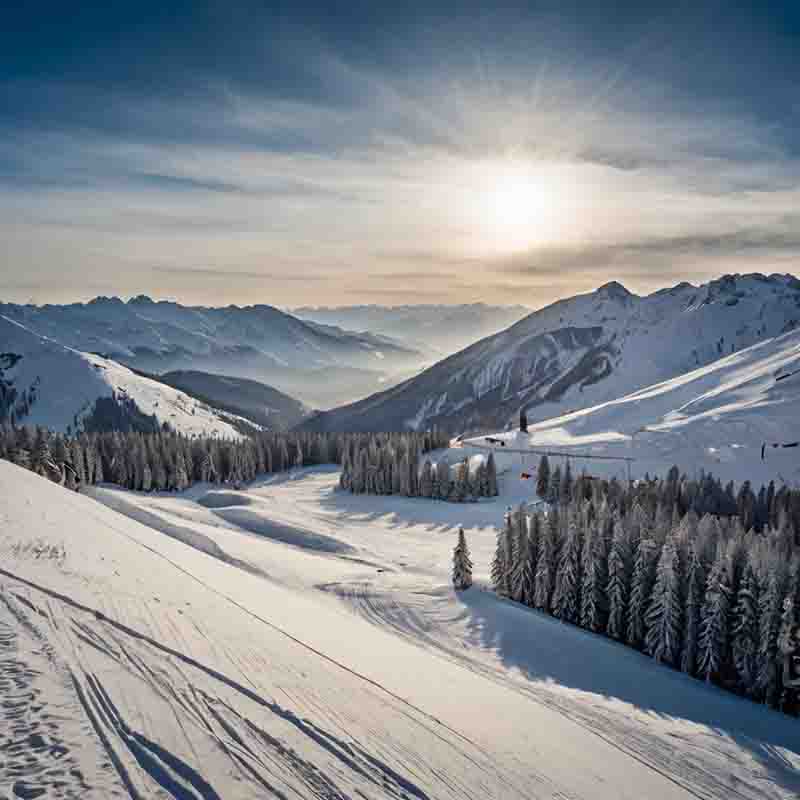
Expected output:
{"points": [[515, 203], [519, 206]]}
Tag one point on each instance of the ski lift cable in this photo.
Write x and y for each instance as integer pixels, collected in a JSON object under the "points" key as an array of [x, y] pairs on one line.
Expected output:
{"points": [[555, 453], [784, 445]]}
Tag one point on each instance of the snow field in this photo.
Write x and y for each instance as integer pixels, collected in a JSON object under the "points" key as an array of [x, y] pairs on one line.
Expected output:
{"points": [[233, 663]]}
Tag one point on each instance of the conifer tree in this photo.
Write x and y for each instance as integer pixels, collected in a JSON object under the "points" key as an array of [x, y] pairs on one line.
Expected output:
{"points": [[462, 564], [554, 492], [501, 562], [594, 597], [543, 478], [745, 631], [544, 579], [491, 476], [641, 587], [426, 481], [770, 612], [714, 621], [566, 601], [566, 485], [522, 577], [619, 582], [664, 616], [695, 597]]}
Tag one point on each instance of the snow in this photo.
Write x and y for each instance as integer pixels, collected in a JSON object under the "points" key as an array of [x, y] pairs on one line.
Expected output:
{"points": [[586, 350], [70, 381], [714, 418], [263, 666]]}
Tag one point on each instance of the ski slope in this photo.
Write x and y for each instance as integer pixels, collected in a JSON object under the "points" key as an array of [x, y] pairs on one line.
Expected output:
{"points": [[291, 640], [68, 383], [714, 418]]}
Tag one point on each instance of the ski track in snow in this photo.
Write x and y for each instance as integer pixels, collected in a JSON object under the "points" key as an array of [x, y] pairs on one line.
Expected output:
{"points": [[181, 683], [184, 685]]}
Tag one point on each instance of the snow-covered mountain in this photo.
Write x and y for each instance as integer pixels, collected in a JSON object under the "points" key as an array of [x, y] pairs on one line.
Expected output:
{"points": [[43, 382], [715, 418], [581, 351], [436, 329], [256, 401], [258, 342]]}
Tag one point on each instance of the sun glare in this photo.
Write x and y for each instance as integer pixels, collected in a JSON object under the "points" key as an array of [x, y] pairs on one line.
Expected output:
{"points": [[519, 205]]}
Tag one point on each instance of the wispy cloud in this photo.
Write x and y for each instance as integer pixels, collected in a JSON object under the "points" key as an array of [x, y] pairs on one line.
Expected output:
{"points": [[356, 181]]}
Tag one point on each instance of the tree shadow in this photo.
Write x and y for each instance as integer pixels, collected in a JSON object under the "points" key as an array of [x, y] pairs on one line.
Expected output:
{"points": [[436, 516], [544, 649]]}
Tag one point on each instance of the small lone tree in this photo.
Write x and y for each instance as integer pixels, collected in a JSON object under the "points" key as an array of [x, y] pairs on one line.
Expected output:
{"points": [[523, 421], [491, 477], [543, 478], [462, 564]]}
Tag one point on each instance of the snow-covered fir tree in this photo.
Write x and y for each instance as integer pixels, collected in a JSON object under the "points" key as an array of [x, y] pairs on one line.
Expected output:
{"points": [[746, 630], [594, 591], [715, 618], [521, 585], [462, 564], [695, 597], [770, 612], [501, 564], [620, 569], [543, 478], [491, 477], [566, 600], [641, 587], [664, 616]]}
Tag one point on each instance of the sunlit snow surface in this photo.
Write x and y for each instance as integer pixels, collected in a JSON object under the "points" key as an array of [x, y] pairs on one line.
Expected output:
{"points": [[714, 418], [291, 640]]}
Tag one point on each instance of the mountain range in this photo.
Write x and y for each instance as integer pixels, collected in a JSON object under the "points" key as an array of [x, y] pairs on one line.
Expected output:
{"points": [[579, 352], [436, 329], [321, 364], [43, 382]]}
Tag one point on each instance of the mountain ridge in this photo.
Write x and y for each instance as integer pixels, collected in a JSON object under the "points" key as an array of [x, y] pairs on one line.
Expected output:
{"points": [[43, 382], [259, 342], [564, 355]]}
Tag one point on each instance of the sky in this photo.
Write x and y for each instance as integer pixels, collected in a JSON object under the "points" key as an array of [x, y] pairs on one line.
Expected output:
{"points": [[380, 152]]}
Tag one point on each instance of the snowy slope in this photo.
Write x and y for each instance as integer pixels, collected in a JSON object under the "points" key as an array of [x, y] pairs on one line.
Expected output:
{"points": [[260, 403], [582, 351], [259, 342], [67, 384], [258, 668], [715, 418]]}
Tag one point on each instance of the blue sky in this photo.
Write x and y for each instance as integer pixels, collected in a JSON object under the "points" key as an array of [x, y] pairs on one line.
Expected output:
{"points": [[366, 152]]}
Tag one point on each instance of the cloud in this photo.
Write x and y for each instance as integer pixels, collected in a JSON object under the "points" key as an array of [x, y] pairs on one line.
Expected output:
{"points": [[646, 256], [351, 175], [238, 274]]}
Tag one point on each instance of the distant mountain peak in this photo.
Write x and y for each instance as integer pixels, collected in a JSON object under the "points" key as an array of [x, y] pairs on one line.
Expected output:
{"points": [[614, 289], [102, 300], [581, 351]]}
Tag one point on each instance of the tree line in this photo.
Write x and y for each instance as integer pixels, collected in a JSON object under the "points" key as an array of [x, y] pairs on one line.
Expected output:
{"points": [[390, 465], [710, 592], [163, 460]]}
